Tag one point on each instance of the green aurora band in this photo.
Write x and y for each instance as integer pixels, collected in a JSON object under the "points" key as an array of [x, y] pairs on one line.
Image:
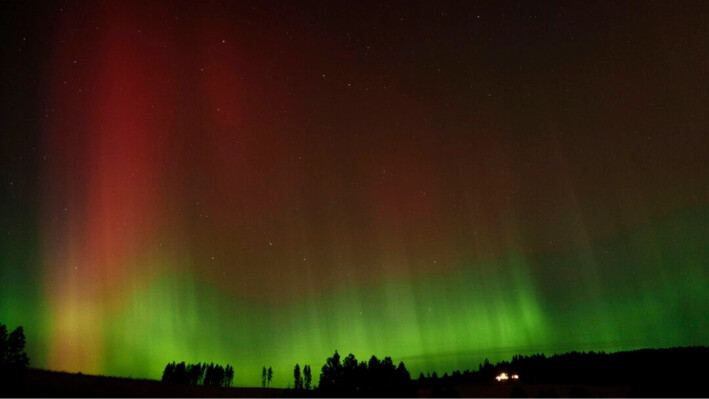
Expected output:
{"points": [[440, 323]]}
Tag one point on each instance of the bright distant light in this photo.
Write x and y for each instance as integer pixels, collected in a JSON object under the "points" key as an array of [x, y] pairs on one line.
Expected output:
{"points": [[505, 377]]}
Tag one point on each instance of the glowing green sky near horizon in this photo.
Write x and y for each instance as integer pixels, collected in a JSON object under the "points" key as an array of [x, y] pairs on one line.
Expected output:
{"points": [[263, 185]]}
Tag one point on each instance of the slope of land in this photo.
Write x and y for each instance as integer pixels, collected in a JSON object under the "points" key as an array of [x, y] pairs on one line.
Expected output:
{"points": [[44, 383], [669, 372]]}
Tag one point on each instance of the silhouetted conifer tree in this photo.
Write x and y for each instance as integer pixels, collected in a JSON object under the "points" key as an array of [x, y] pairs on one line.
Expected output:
{"points": [[229, 376], [298, 378], [402, 374], [180, 373], [307, 376], [168, 375]]}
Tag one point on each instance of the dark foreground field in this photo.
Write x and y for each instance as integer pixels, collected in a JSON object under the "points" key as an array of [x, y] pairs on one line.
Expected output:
{"points": [[505, 390], [42, 383]]}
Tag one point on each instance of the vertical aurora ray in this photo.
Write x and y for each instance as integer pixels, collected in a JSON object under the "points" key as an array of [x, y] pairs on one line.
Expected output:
{"points": [[245, 185], [104, 176]]}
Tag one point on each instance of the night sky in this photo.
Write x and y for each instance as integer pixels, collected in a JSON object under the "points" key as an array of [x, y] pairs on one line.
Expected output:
{"points": [[261, 183]]}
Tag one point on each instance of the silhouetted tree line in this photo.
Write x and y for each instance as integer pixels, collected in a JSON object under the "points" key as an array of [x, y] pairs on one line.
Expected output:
{"points": [[348, 377], [647, 371], [199, 374]]}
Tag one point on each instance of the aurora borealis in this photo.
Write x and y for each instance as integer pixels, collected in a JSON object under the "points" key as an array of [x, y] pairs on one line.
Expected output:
{"points": [[261, 183]]}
